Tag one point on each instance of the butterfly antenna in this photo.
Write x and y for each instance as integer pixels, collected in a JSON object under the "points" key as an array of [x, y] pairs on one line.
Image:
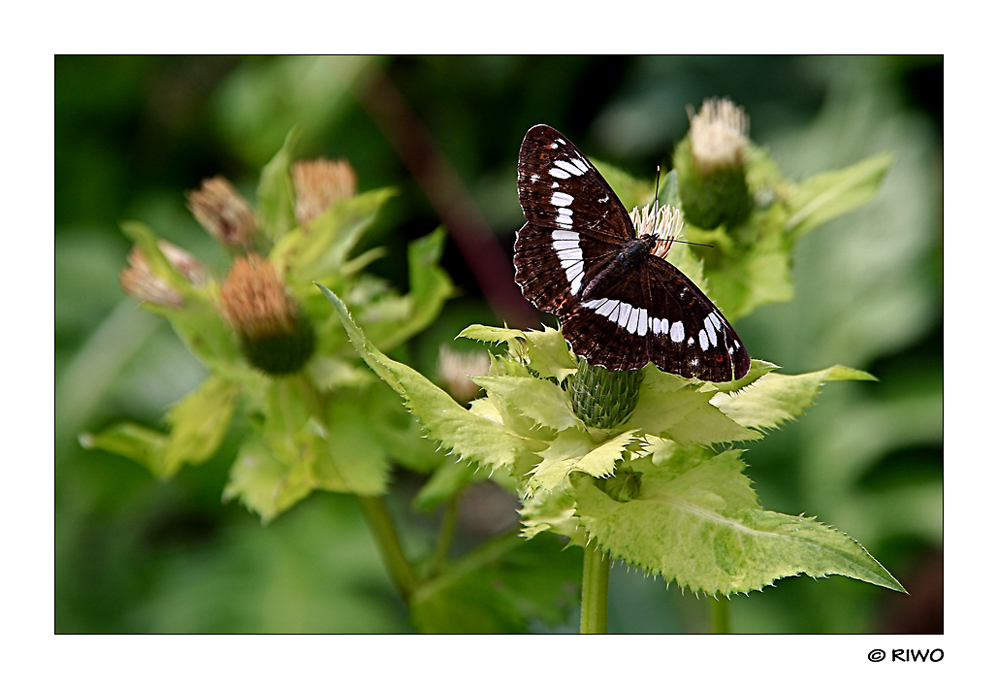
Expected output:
{"points": [[656, 199]]}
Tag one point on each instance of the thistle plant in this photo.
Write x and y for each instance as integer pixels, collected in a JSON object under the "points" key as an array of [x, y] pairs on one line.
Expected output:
{"points": [[646, 467], [317, 418]]}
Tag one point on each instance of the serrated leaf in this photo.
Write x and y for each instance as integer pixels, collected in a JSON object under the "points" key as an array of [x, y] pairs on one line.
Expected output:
{"points": [[776, 398], [554, 512], [263, 483], [540, 400], [757, 369], [491, 334], [671, 406], [704, 529], [473, 437], [545, 350], [198, 423], [574, 451], [830, 194], [276, 192], [548, 354]]}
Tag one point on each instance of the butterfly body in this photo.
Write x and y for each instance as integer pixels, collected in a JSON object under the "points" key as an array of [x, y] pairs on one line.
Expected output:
{"points": [[621, 305]]}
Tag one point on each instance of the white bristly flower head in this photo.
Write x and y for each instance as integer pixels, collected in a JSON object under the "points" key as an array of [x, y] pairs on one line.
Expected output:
{"points": [[665, 222], [719, 133]]}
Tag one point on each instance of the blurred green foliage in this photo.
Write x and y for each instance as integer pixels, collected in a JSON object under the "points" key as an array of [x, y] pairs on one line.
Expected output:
{"points": [[132, 133]]}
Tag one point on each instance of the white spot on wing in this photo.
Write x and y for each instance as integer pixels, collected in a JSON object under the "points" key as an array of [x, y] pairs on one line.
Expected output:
{"points": [[561, 198], [702, 338], [709, 327], [633, 318], [622, 313], [570, 168], [559, 173], [565, 235], [676, 331]]}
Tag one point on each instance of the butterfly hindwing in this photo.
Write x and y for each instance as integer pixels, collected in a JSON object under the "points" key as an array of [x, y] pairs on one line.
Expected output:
{"points": [[620, 306]]}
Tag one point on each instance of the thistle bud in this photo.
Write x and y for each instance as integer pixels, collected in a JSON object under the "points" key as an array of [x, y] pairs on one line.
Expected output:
{"points": [[138, 279], [276, 337], [319, 184], [603, 398], [710, 163], [223, 212], [623, 486]]}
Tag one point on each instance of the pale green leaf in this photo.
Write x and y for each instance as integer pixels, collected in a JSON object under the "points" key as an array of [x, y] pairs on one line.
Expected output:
{"points": [[276, 193], [554, 512], [776, 398], [472, 437], [264, 484], [673, 407], [548, 354], [491, 334], [546, 351], [830, 194], [575, 451], [703, 529], [132, 441], [198, 423], [541, 400]]}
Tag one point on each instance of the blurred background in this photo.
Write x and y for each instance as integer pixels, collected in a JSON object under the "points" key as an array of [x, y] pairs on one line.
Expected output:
{"points": [[134, 133]]}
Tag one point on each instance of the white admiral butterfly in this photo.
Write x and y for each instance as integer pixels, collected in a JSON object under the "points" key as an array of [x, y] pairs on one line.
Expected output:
{"points": [[620, 305]]}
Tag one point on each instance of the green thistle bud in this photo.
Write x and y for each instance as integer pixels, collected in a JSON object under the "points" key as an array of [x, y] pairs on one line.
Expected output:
{"points": [[603, 398], [275, 336], [711, 167], [623, 486]]}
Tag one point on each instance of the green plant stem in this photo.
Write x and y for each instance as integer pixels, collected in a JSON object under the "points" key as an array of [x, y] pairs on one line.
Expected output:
{"points": [[719, 615], [400, 569], [596, 571], [444, 538]]}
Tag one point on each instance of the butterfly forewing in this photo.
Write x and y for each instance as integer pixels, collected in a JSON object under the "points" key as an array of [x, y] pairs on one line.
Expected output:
{"points": [[620, 306], [560, 189]]}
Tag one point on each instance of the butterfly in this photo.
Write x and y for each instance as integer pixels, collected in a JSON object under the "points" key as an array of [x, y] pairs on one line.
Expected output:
{"points": [[620, 305]]}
